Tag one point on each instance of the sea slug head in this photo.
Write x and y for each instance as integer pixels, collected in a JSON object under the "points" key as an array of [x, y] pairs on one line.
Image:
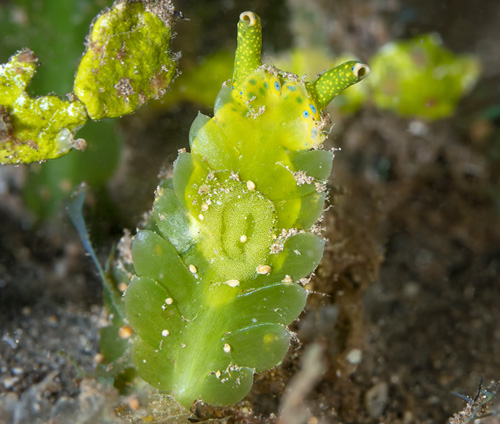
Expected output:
{"points": [[293, 108]]}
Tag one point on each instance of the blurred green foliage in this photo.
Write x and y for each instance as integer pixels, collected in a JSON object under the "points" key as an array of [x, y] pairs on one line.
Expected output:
{"points": [[55, 30], [49, 183]]}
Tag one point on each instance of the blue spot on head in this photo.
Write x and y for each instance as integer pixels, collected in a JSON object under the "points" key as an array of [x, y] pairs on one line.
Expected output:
{"points": [[277, 85], [313, 133], [313, 108], [291, 87], [305, 114], [241, 92]]}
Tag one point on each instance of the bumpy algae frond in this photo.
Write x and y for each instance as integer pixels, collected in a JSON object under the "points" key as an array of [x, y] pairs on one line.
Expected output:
{"points": [[129, 37], [34, 129], [128, 60]]}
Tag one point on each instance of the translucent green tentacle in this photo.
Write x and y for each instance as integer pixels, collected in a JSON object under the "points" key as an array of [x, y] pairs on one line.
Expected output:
{"points": [[327, 86]]}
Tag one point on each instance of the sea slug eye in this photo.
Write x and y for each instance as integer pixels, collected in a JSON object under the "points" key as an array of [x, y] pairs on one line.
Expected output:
{"points": [[305, 114], [248, 18], [277, 85], [313, 108], [360, 70]]}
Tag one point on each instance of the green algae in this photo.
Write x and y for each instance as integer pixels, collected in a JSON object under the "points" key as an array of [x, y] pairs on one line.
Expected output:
{"points": [[128, 61]]}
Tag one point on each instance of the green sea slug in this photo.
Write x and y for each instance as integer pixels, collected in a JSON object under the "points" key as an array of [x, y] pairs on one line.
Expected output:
{"points": [[420, 77], [217, 271]]}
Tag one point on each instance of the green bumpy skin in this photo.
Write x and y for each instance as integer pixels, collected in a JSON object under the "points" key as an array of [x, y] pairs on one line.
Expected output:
{"points": [[123, 40], [419, 77], [127, 37], [217, 269], [34, 129]]}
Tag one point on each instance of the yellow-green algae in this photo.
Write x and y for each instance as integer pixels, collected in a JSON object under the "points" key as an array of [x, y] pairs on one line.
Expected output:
{"points": [[33, 129], [128, 61]]}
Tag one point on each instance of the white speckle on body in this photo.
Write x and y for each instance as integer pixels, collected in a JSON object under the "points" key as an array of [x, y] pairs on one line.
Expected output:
{"points": [[232, 283], [263, 269], [125, 332]]}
